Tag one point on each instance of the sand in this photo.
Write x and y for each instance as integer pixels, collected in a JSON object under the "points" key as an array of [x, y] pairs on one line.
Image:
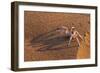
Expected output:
{"points": [[42, 42]]}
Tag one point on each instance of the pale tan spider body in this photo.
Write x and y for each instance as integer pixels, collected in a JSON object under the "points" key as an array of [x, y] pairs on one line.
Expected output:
{"points": [[72, 34], [75, 35]]}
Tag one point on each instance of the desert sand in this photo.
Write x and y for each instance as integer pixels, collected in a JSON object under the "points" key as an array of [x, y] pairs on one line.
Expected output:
{"points": [[42, 42]]}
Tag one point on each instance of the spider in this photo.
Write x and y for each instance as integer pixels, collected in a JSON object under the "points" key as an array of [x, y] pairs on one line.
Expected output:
{"points": [[72, 34]]}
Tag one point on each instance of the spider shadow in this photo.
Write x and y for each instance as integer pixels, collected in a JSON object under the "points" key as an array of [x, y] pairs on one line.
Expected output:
{"points": [[50, 40]]}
